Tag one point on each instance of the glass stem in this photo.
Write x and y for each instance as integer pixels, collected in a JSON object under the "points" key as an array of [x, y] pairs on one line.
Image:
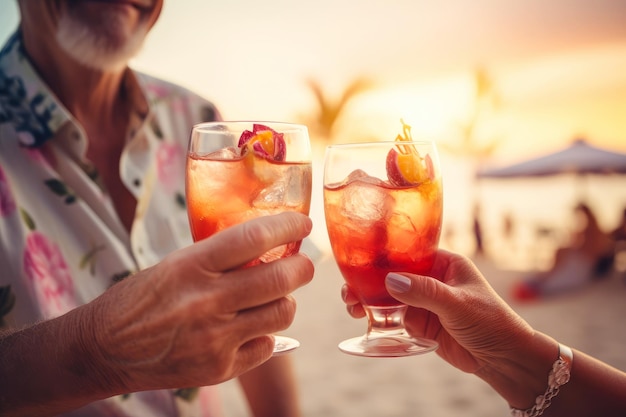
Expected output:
{"points": [[386, 320]]}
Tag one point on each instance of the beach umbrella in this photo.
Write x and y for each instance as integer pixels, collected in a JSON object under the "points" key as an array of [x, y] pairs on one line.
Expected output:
{"points": [[578, 158]]}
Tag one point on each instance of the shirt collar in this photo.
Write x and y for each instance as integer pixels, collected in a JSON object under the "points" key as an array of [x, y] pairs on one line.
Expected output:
{"points": [[33, 109]]}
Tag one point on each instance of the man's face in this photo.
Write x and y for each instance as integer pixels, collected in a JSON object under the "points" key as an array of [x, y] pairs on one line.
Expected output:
{"points": [[101, 34]]}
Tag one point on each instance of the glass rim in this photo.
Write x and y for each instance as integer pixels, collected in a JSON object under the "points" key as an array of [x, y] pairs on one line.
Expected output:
{"points": [[381, 143], [283, 126]]}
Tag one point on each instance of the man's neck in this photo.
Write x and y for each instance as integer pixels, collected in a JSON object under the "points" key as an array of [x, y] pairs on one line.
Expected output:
{"points": [[95, 98]]}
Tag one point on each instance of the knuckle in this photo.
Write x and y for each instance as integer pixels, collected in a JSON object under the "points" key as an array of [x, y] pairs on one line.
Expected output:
{"points": [[279, 278], [256, 234], [220, 358], [429, 290], [284, 312], [297, 270]]}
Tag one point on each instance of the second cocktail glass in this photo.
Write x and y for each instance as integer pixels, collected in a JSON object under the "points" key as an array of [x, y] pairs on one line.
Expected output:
{"points": [[237, 171], [383, 204]]}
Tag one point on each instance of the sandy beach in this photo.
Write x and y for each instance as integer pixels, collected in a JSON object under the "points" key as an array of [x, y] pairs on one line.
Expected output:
{"points": [[335, 384]]}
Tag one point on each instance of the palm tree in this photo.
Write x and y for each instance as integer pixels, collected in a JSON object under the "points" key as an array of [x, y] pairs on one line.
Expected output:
{"points": [[486, 99], [323, 122]]}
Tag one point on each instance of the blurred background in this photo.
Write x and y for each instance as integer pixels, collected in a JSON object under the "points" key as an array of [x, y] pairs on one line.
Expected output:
{"points": [[491, 82]]}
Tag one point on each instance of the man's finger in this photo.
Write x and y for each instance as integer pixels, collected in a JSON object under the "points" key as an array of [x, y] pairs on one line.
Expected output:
{"points": [[265, 283], [245, 242]]}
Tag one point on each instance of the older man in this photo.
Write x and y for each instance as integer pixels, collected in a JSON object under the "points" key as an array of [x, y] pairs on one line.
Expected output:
{"points": [[91, 191]]}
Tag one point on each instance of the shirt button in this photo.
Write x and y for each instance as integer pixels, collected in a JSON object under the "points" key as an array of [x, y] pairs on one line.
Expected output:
{"points": [[136, 182]]}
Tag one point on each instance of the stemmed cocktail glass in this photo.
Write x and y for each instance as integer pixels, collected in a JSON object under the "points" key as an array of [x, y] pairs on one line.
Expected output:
{"points": [[237, 171], [383, 205]]}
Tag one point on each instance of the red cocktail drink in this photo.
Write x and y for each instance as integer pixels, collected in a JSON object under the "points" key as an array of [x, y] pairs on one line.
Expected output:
{"points": [[383, 204], [224, 192], [376, 228]]}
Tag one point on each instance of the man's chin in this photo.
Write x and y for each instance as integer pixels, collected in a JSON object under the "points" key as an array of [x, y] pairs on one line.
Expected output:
{"points": [[104, 50]]}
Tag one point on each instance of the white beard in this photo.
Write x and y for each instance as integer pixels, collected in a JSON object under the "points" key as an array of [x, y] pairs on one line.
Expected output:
{"points": [[107, 46]]}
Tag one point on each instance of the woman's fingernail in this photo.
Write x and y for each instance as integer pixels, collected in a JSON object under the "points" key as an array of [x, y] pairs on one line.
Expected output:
{"points": [[397, 282]]}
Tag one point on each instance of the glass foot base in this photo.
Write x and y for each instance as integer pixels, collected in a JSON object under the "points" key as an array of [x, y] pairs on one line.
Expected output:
{"points": [[284, 345], [387, 346]]}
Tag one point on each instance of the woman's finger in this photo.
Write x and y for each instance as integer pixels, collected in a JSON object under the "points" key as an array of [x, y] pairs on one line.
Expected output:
{"points": [[348, 296], [353, 306], [441, 291]]}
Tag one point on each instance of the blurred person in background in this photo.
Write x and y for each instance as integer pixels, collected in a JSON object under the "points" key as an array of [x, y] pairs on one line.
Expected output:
{"points": [[619, 232], [588, 256], [92, 157], [477, 230]]}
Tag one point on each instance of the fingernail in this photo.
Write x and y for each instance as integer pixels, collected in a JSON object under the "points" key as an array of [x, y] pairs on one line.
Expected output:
{"points": [[397, 283]]}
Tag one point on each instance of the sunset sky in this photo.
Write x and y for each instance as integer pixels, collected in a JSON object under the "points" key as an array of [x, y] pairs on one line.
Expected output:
{"points": [[559, 66]]}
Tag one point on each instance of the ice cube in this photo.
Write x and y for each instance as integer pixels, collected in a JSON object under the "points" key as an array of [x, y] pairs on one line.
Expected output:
{"points": [[353, 176], [365, 198], [224, 153], [365, 206], [291, 189]]}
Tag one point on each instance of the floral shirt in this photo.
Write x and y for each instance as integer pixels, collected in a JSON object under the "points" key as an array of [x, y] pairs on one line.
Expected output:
{"points": [[61, 242]]}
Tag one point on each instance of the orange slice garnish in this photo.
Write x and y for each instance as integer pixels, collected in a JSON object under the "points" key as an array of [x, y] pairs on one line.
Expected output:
{"points": [[405, 166], [263, 142]]}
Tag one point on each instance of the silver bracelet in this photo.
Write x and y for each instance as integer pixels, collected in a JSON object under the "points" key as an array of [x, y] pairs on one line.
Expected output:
{"points": [[558, 376]]}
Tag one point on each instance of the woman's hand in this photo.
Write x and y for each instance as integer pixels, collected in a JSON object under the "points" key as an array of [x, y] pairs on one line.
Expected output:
{"points": [[476, 330]]}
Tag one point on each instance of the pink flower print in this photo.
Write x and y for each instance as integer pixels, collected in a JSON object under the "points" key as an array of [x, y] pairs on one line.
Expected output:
{"points": [[179, 105], [170, 166], [159, 91], [48, 276], [210, 404], [41, 155], [7, 203]]}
